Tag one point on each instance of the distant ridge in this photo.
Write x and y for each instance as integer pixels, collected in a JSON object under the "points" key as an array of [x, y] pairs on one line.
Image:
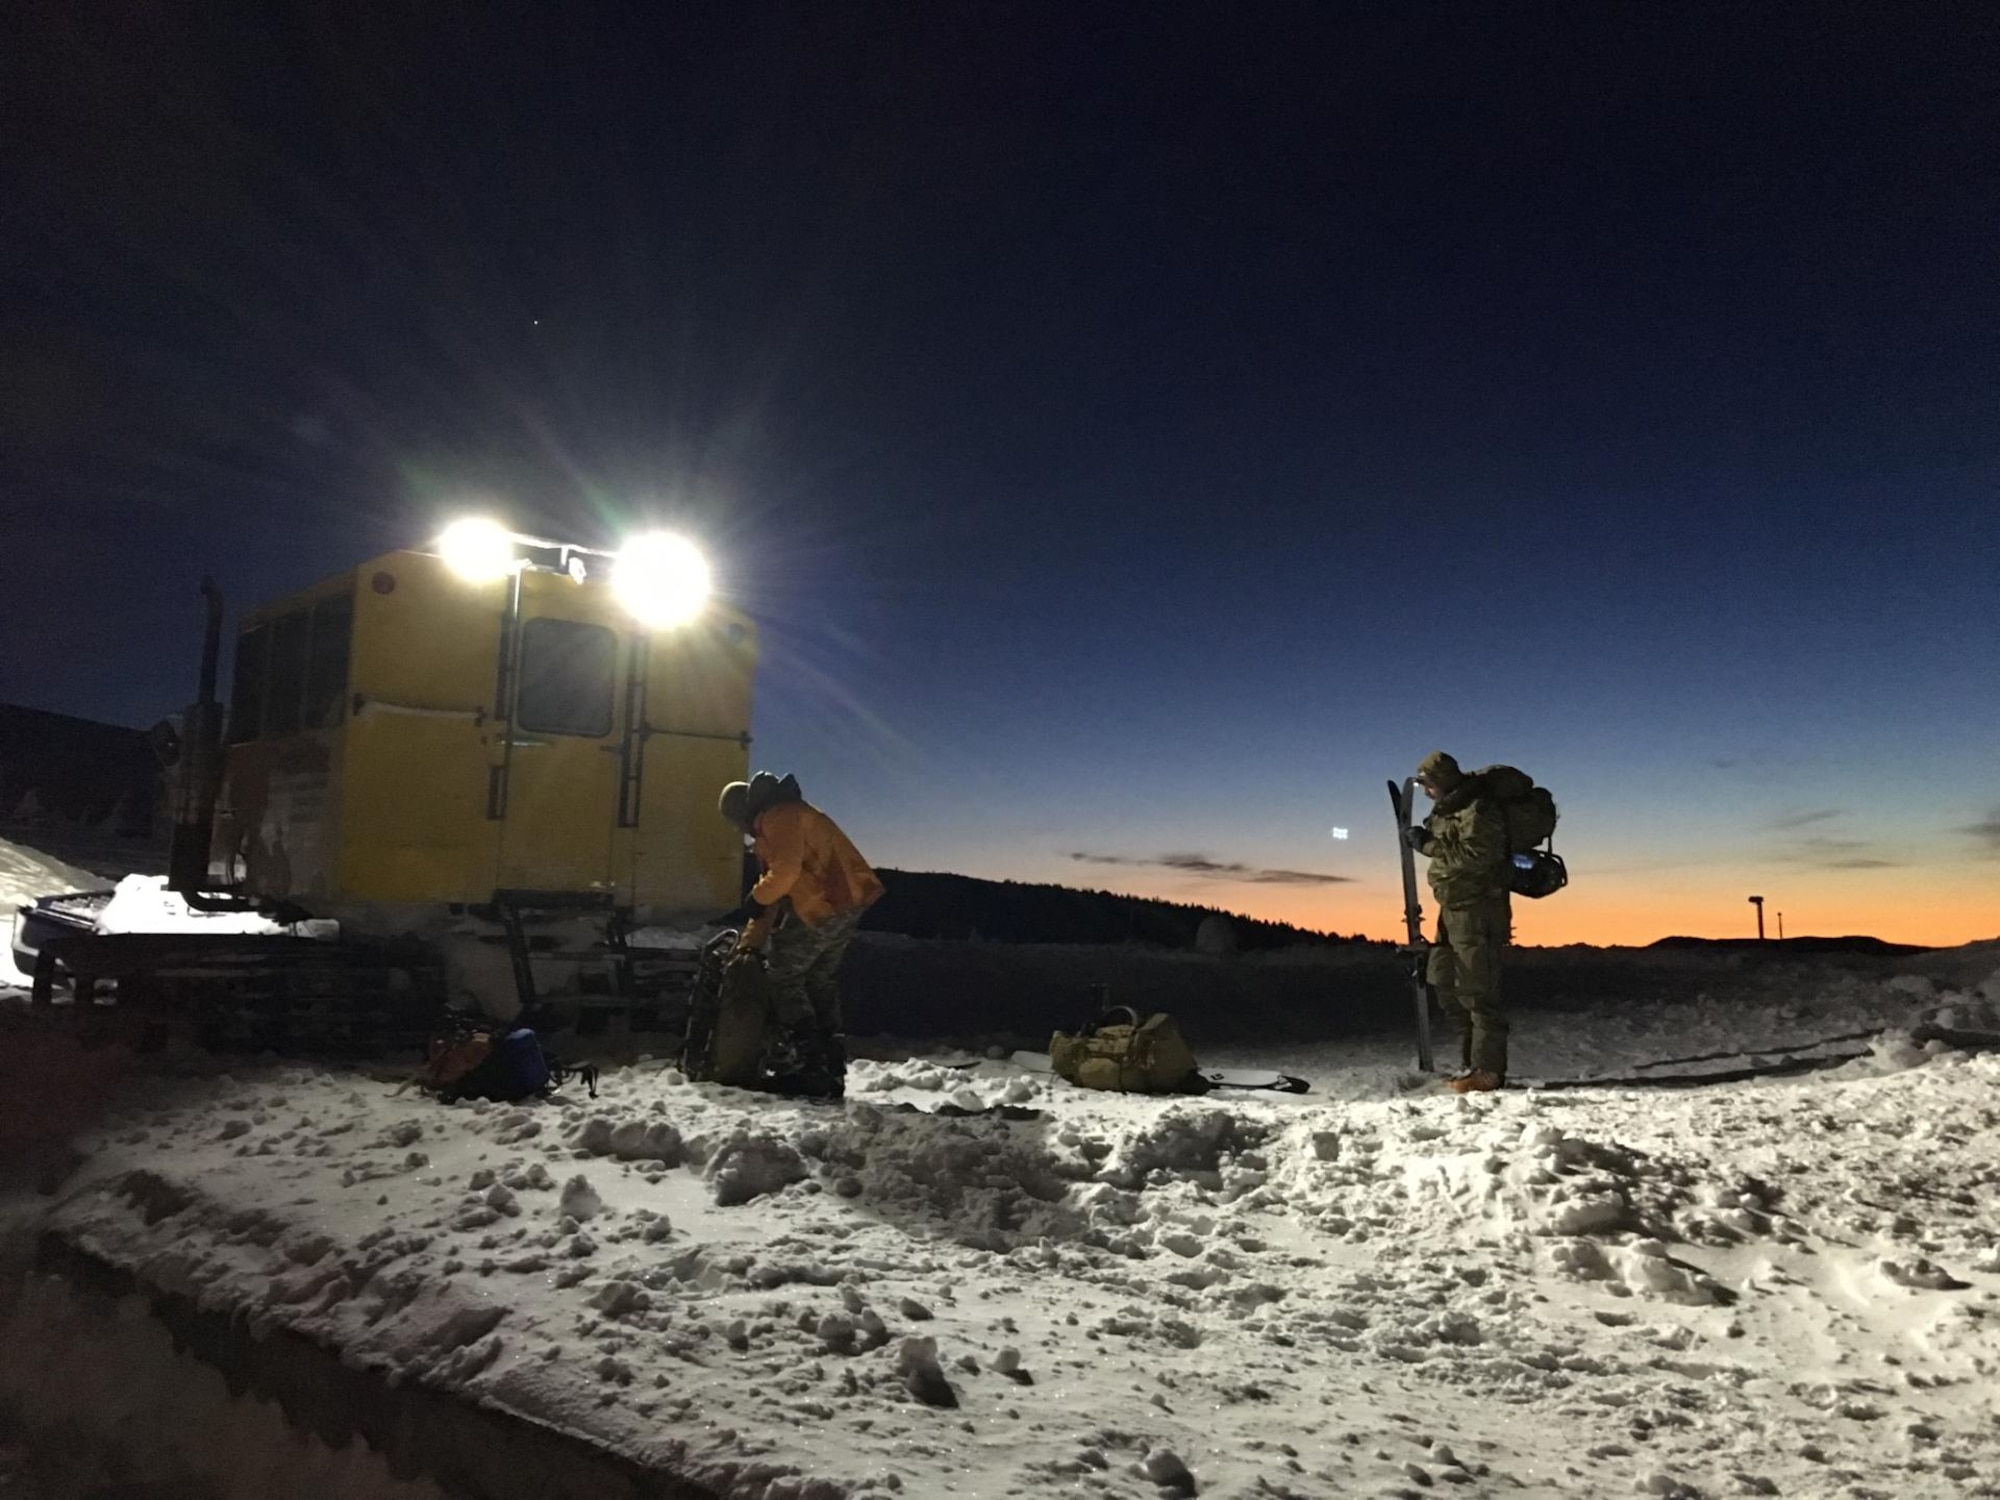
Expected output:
{"points": [[1799, 945], [59, 768], [923, 904]]}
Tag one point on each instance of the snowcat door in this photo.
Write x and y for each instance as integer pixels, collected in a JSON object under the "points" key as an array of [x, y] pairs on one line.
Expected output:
{"points": [[693, 740], [555, 788]]}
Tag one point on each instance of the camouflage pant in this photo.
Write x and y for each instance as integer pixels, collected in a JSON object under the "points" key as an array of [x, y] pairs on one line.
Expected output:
{"points": [[804, 970], [1464, 969]]}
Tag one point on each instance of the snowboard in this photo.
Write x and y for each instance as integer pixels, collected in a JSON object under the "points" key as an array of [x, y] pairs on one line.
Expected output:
{"points": [[1215, 1078], [1415, 949]]}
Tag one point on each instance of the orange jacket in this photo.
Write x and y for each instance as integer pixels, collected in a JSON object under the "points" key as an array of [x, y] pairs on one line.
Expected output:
{"points": [[808, 858]]}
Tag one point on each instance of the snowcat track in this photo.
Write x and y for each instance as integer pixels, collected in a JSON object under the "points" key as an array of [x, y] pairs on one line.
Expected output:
{"points": [[244, 992]]}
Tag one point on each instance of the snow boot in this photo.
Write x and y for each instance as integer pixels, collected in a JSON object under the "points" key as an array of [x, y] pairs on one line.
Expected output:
{"points": [[1478, 1081]]}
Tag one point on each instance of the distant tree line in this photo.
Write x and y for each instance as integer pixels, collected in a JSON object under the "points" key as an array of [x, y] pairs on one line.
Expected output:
{"points": [[59, 770], [925, 905]]}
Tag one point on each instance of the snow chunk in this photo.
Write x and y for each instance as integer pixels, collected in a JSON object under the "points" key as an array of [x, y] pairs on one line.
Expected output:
{"points": [[1648, 1269], [1920, 1274], [917, 1363], [616, 1298], [1165, 1468], [749, 1164], [632, 1140], [579, 1199], [1187, 1142]]}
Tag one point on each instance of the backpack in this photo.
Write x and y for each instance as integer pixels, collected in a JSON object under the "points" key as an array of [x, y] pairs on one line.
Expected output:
{"points": [[474, 1061], [1130, 1055], [729, 1016], [733, 1036], [1530, 812]]}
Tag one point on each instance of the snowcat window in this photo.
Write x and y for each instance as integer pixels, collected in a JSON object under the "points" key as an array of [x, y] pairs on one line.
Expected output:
{"points": [[568, 673], [326, 664], [246, 695], [286, 681]]}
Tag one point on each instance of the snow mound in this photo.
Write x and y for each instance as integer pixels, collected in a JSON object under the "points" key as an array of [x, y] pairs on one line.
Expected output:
{"points": [[750, 1163], [142, 903]]}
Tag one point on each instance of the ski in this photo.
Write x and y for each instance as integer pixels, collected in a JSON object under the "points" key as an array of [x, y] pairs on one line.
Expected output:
{"points": [[1415, 949], [1215, 1078], [1767, 1062]]}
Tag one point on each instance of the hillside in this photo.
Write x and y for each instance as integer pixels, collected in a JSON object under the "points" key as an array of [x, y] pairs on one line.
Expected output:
{"points": [[1852, 943], [924, 904]]}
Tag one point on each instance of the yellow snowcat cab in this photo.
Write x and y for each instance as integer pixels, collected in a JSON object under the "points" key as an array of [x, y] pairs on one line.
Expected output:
{"points": [[487, 763], [419, 732]]}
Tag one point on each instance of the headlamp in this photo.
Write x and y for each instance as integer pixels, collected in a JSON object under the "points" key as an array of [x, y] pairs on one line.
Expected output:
{"points": [[478, 549], [662, 578]]}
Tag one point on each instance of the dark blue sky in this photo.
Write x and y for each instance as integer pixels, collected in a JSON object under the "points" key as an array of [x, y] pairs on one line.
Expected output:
{"points": [[1141, 429]]}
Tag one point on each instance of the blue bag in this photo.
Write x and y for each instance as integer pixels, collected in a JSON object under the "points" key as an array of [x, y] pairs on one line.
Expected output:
{"points": [[476, 1063]]}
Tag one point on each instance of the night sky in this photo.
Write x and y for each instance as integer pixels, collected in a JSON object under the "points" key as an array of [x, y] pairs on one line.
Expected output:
{"points": [[1140, 429]]}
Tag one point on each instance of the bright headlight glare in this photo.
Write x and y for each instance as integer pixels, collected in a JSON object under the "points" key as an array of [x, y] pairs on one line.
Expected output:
{"points": [[477, 549], [662, 579]]}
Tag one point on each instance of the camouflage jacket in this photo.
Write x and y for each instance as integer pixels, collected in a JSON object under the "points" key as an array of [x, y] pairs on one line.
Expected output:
{"points": [[1468, 847]]}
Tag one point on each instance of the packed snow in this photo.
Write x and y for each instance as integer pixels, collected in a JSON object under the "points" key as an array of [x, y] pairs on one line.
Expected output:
{"points": [[142, 903], [973, 1279]]}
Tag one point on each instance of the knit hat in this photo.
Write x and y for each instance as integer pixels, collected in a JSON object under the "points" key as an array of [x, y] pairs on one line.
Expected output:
{"points": [[1440, 771], [742, 801], [734, 804]]}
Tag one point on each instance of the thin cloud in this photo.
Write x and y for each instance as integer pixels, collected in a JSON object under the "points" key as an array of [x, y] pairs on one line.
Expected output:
{"points": [[1986, 831], [1213, 869], [1841, 854], [1804, 818]]}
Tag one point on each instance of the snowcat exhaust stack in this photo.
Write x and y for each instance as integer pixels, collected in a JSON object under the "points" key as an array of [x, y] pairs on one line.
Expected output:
{"points": [[200, 768]]}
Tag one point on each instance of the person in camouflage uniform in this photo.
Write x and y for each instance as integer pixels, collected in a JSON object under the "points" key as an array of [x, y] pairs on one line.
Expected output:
{"points": [[1465, 838], [803, 912]]}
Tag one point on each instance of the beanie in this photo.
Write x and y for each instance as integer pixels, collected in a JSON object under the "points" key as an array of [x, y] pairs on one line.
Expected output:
{"points": [[1440, 770], [734, 804]]}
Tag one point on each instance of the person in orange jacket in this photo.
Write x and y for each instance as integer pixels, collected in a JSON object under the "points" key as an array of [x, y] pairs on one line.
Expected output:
{"points": [[805, 906]]}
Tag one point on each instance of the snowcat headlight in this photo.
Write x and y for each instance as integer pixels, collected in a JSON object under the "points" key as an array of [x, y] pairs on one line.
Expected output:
{"points": [[662, 579], [478, 550]]}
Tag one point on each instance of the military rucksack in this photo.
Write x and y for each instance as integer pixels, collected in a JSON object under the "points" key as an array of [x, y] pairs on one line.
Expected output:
{"points": [[734, 1036], [1128, 1055], [729, 1016], [1536, 870]]}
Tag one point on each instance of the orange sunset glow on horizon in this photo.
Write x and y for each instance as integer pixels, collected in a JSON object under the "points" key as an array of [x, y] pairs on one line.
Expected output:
{"points": [[1626, 911]]}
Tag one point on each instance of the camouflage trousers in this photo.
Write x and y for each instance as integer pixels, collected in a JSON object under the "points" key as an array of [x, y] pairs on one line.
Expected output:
{"points": [[804, 967], [1464, 969]]}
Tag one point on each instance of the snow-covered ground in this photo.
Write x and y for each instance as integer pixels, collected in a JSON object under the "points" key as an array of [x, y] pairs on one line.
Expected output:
{"points": [[1781, 1286]]}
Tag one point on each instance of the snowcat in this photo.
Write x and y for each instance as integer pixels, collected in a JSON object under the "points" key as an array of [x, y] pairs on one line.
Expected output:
{"points": [[469, 773]]}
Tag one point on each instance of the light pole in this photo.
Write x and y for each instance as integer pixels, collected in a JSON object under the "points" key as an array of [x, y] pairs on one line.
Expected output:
{"points": [[1781, 927], [1758, 902]]}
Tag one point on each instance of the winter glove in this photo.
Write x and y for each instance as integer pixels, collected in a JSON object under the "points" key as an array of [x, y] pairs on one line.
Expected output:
{"points": [[740, 916], [1417, 837]]}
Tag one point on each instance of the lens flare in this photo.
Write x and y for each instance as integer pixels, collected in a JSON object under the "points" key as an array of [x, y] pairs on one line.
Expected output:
{"points": [[662, 579], [477, 549]]}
